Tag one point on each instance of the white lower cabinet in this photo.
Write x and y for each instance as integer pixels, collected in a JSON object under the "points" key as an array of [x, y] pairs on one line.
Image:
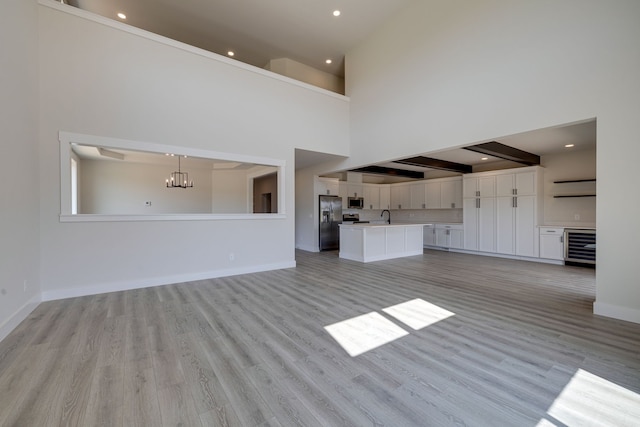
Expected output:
{"points": [[444, 235], [429, 235], [479, 219], [552, 243]]}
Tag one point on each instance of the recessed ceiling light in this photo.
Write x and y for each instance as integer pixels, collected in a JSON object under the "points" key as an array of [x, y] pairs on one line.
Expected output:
{"points": [[328, 61], [569, 145], [484, 158], [231, 53], [122, 15], [336, 13]]}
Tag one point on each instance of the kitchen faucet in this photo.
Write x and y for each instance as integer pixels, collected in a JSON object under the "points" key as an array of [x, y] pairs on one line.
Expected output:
{"points": [[387, 211]]}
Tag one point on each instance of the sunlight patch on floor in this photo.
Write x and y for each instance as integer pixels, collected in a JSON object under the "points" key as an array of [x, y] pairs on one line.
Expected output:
{"points": [[418, 313], [589, 400], [363, 333]]}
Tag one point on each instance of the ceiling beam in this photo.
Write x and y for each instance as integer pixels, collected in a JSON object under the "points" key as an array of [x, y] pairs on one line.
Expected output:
{"points": [[505, 152], [438, 164], [381, 170]]}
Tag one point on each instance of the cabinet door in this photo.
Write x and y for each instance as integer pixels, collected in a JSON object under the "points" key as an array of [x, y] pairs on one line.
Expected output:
{"points": [[442, 237], [525, 183], [343, 192], [469, 187], [429, 235], [450, 194], [371, 196], [470, 223], [417, 196], [505, 185], [487, 186], [505, 216], [354, 190], [526, 232], [551, 244], [385, 197], [487, 225], [333, 188], [433, 192], [456, 239], [400, 197]]}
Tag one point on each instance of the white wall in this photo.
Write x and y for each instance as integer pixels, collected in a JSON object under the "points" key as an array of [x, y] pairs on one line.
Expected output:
{"points": [[119, 82], [450, 73], [579, 164], [112, 187], [19, 228], [230, 192]]}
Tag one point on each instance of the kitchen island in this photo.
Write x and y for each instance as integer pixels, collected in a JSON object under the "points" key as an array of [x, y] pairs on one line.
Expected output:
{"points": [[375, 242]]}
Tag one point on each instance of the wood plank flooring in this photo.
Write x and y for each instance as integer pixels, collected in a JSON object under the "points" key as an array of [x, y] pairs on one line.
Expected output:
{"points": [[252, 350]]}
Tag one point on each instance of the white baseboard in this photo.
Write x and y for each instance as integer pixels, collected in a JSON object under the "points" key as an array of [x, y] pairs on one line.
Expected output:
{"points": [[159, 281], [308, 248], [14, 320], [616, 312]]}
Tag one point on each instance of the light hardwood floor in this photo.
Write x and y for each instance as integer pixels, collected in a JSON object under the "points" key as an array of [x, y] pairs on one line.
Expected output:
{"points": [[523, 349]]}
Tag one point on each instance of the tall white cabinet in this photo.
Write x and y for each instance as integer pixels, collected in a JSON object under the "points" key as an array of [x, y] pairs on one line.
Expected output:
{"points": [[502, 210]]}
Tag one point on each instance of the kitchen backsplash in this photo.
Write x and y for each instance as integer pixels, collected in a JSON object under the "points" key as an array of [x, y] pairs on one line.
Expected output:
{"points": [[418, 216]]}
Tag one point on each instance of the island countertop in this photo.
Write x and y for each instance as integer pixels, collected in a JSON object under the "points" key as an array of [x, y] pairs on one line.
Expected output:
{"points": [[373, 225]]}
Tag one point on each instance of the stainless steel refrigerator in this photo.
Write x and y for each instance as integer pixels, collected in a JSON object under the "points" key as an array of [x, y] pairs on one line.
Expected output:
{"points": [[330, 218]]}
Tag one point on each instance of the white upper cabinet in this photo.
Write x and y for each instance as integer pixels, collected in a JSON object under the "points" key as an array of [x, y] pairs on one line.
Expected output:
{"points": [[516, 184], [479, 186], [327, 187], [417, 196], [354, 190], [400, 197], [385, 196], [451, 194], [433, 192], [371, 194]]}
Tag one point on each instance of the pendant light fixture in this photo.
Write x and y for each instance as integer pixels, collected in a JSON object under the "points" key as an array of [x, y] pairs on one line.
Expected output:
{"points": [[178, 179]]}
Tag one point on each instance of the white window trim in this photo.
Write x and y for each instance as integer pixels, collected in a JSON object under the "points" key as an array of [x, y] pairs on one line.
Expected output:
{"points": [[68, 138]]}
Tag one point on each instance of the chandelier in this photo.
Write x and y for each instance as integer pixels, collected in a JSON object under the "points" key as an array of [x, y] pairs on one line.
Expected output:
{"points": [[178, 179]]}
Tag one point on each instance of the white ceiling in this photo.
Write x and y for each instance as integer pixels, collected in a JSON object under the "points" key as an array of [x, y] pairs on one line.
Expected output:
{"points": [[257, 30]]}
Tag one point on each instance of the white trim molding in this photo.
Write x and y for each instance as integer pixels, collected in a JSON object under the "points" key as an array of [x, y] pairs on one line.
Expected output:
{"points": [[159, 281], [22, 313], [616, 312]]}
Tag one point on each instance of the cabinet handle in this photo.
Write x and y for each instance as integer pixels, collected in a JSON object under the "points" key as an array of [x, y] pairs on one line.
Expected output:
{"points": [[478, 193], [453, 205], [515, 200], [561, 239], [478, 203]]}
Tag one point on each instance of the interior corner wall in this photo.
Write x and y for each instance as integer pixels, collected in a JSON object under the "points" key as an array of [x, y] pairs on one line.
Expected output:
{"points": [[476, 70], [19, 216], [101, 77]]}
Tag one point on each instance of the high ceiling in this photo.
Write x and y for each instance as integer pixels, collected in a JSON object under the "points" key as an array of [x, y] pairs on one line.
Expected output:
{"points": [[257, 30]]}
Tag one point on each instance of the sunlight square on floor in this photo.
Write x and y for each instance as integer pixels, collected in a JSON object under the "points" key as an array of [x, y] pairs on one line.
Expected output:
{"points": [[418, 313], [589, 400], [363, 333]]}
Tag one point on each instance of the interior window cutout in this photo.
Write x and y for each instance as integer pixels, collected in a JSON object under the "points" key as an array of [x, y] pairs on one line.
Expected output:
{"points": [[114, 178]]}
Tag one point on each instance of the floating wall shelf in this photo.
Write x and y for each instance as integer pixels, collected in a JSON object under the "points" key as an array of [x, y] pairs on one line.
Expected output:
{"points": [[575, 180], [574, 195]]}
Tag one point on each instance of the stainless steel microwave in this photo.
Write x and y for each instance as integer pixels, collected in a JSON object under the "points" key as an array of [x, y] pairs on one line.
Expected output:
{"points": [[355, 202]]}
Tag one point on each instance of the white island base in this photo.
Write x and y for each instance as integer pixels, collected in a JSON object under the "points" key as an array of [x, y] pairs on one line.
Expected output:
{"points": [[375, 242]]}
